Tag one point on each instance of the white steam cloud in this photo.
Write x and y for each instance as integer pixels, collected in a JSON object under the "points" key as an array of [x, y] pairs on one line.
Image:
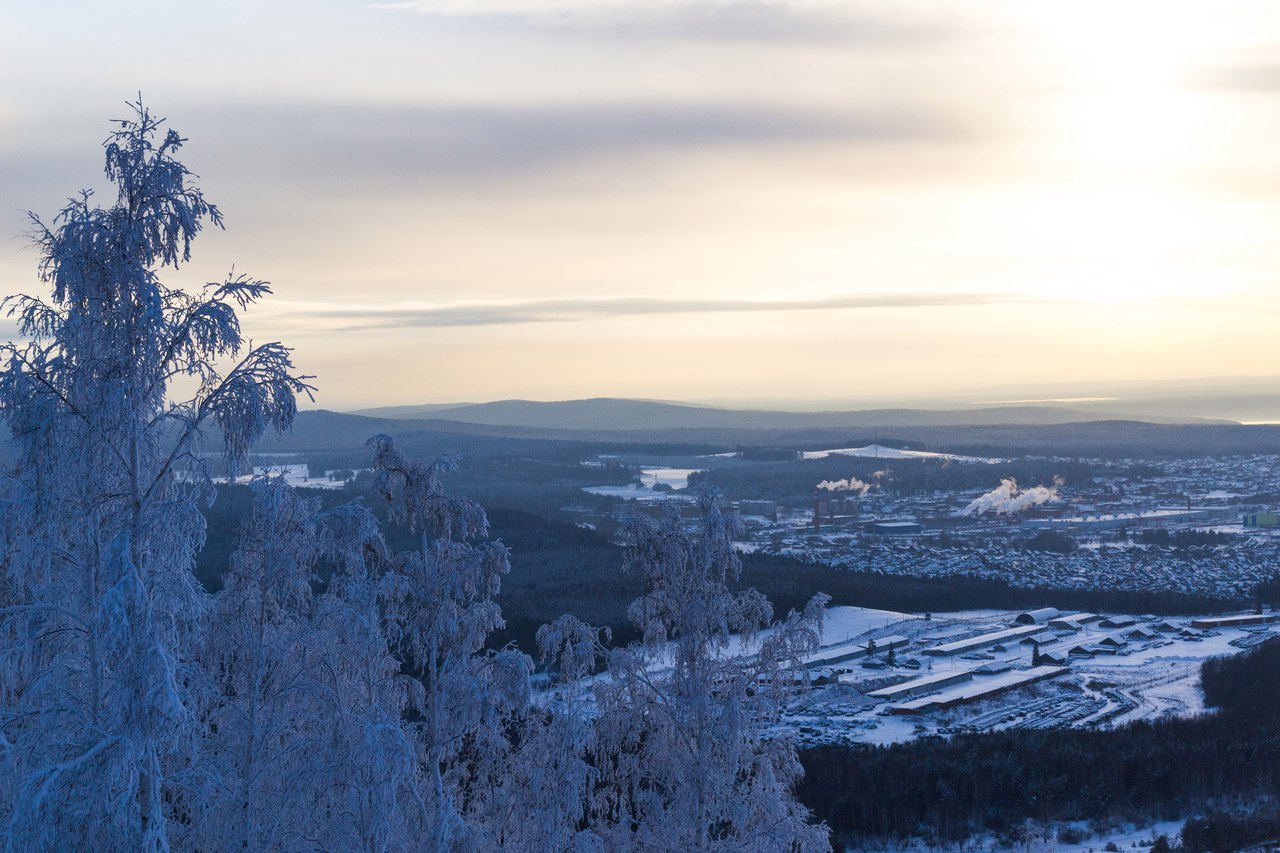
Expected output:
{"points": [[853, 484], [1008, 499]]}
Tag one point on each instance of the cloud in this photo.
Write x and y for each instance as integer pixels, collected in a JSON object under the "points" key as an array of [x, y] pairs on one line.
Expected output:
{"points": [[364, 151], [358, 318], [387, 151], [1262, 77], [713, 20], [400, 148]]}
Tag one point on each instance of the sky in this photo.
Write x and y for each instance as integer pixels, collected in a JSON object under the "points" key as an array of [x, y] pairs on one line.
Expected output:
{"points": [[703, 200]]}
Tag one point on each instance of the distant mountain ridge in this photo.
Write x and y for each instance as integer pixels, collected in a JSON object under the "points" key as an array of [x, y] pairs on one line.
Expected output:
{"points": [[610, 414], [320, 430]]}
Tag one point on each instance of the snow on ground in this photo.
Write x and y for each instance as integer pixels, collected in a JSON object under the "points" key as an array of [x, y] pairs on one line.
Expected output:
{"points": [[847, 623], [635, 492], [1143, 680], [878, 451], [676, 478], [1126, 837], [296, 476]]}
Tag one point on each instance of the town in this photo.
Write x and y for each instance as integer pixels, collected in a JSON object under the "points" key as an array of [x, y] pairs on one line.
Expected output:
{"points": [[1204, 526]]}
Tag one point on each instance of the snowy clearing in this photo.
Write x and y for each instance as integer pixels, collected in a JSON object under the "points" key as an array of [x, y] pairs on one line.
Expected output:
{"points": [[634, 492], [297, 477], [878, 451]]}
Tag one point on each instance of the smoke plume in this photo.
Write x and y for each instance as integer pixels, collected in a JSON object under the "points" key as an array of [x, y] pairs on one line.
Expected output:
{"points": [[853, 484], [1008, 499]]}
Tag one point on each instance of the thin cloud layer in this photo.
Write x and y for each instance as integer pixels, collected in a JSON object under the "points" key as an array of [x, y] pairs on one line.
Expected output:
{"points": [[358, 318], [589, 174], [1262, 77], [401, 148], [714, 20]]}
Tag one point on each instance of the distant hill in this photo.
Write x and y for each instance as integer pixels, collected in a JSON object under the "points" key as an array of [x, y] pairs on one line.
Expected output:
{"points": [[415, 412], [321, 431], [610, 414]]}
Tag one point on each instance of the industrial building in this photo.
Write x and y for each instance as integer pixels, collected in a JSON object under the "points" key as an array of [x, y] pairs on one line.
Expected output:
{"points": [[894, 528], [852, 651], [978, 688], [919, 686], [760, 509], [1129, 520], [1037, 617], [984, 640], [1236, 621], [1075, 622]]}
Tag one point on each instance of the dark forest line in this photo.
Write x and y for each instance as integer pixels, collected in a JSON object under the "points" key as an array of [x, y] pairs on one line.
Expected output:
{"points": [[558, 568]]}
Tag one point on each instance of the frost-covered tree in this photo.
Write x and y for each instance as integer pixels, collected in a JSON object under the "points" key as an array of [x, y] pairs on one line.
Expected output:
{"points": [[302, 683], [683, 740], [99, 742], [365, 770], [438, 601], [262, 649], [361, 710]]}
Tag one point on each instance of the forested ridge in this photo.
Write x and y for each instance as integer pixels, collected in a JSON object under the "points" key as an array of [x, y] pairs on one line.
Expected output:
{"points": [[558, 567]]}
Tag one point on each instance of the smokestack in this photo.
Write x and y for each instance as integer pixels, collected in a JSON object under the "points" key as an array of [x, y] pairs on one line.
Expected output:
{"points": [[817, 512]]}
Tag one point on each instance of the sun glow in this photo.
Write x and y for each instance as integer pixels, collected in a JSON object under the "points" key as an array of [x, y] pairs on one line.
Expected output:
{"points": [[1125, 70], [1115, 217], [1110, 245]]}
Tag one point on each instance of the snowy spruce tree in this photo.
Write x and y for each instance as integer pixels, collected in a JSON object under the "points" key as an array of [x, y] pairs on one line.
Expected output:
{"points": [[686, 756], [100, 742]]}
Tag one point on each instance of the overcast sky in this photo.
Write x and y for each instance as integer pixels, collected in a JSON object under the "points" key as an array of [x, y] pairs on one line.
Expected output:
{"points": [[694, 199]]}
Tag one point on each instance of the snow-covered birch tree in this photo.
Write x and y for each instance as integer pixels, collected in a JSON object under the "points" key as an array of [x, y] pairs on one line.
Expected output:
{"points": [[261, 650], [298, 680], [439, 607], [683, 741], [99, 747]]}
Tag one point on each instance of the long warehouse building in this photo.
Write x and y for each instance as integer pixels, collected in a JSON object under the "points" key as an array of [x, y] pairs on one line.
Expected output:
{"points": [[978, 688], [983, 640]]}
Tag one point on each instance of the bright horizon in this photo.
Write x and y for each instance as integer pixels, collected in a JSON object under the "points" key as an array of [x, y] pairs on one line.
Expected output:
{"points": [[694, 200]]}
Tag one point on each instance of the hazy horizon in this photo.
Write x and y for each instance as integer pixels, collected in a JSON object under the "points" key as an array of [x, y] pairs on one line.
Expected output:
{"points": [[701, 200], [1109, 393]]}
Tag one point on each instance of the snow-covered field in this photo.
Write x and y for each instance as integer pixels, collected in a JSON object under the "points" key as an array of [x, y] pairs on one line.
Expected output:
{"points": [[675, 478], [296, 476], [878, 451], [849, 623], [635, 492]]}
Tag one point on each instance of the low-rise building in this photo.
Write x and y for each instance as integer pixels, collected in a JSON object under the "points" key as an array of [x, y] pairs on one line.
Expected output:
{"points": [[983, 640]]}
